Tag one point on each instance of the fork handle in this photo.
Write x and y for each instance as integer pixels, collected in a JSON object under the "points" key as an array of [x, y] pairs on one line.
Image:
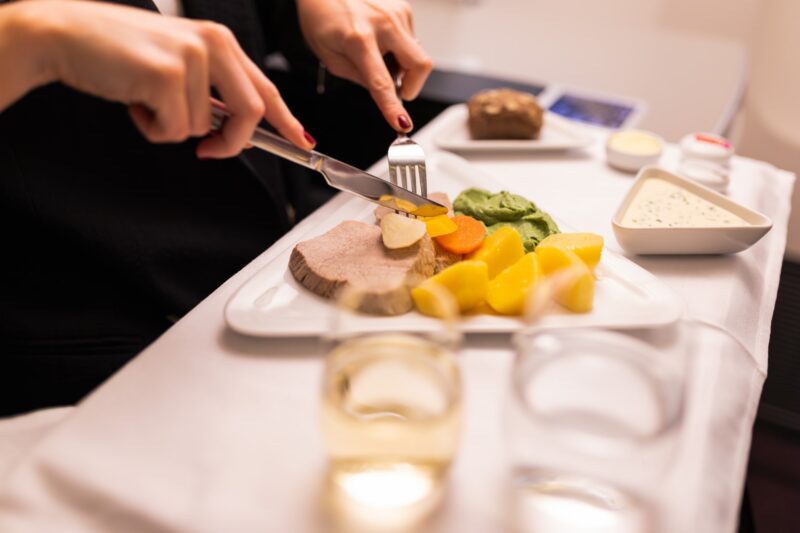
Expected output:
{"points": [[393, 66], [274, 144]]}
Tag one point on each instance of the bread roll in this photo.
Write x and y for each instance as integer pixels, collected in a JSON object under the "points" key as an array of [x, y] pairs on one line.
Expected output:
{"points": [[504, 114]]}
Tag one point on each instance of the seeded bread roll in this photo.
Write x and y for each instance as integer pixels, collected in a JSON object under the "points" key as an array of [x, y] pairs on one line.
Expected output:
{"points": [[504, 114]]}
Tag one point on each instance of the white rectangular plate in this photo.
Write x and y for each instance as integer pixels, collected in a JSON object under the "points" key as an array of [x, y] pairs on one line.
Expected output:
{"points": [[273, 304], [557, 134]]}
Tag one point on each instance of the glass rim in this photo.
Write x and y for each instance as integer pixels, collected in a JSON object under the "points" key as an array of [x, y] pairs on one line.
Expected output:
{"points": [[453, 388], [520, 378]]}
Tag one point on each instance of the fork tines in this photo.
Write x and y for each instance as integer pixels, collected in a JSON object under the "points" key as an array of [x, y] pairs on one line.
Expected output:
{"points": [[407, 165], [411, 177]]}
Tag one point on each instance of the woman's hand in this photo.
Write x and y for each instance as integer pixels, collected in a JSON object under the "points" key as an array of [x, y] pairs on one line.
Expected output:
{"points": [[351, 36], [162, 67]]}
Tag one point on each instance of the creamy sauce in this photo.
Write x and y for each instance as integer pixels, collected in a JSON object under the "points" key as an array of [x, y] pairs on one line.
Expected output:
{"points": [[661, 204]]}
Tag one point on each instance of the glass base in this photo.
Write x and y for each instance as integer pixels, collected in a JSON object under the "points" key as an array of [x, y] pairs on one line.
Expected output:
{"points": [[549, 502]]}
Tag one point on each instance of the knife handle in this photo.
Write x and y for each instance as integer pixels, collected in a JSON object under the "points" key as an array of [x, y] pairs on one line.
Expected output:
{"points": [[272, 143]]}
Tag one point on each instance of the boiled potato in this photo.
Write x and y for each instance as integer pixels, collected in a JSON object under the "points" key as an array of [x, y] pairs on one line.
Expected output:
{"points": [[508, 290], [399, 231], [587, 246], [466, 281], [500, 250], [573, 282]]}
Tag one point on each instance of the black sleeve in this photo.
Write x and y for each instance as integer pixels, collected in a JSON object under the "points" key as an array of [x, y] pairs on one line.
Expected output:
{"points": [[282, 34]]}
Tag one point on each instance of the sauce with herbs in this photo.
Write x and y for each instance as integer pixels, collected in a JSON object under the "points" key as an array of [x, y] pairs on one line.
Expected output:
{"points": [[661, 204]]}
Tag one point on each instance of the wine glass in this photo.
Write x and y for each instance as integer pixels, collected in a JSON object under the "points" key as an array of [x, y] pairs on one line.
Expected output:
{"points": [[390, 416]]}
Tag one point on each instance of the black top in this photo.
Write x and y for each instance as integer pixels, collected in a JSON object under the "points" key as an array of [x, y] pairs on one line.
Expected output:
{"points": [[108, 238]]}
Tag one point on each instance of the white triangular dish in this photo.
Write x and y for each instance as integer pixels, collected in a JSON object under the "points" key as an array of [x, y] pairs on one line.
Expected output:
{"points": [[273, 304]]}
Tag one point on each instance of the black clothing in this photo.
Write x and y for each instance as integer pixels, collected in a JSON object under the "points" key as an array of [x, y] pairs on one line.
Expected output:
{"points": [[107, 238]]}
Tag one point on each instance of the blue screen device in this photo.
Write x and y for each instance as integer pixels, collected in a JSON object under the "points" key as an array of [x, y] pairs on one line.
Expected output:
{"points": [[593, 111]]}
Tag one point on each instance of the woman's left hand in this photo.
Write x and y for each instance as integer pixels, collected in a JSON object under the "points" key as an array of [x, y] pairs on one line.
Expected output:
{"points": [[350, 37]]}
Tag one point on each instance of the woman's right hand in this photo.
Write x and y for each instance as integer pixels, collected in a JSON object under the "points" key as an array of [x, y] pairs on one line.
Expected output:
{"points": [[161, 67]]}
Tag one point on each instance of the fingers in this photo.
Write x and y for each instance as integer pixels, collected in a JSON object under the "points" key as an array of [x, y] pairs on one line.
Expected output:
{"points": [[176, 105], [165, 116], [367, 58], [244, 105], [176, 99], [414, 61], [248, 95], [198, 90], [276, 112]]}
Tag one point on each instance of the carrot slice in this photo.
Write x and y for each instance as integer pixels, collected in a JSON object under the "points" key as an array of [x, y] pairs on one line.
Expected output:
{"points": [[467, 238]]}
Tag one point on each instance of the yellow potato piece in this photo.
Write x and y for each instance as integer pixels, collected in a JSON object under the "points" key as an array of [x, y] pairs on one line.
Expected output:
{"points": [[466, 281], [587, 246], [441, 225], [434, 299], [508, 291], [573, 280], [500, 250]]}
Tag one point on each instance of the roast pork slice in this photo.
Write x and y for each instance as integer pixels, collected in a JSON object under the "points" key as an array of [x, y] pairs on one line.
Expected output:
{"points": [[444, 258], [352, 254]]}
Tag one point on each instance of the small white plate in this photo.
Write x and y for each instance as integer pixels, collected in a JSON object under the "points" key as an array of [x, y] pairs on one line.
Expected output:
{"points": [[662, 241], [557, 134], [273, 304]]}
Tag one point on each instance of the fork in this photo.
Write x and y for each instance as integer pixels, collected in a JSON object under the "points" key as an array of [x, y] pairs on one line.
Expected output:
{"points": [[406, 157]]}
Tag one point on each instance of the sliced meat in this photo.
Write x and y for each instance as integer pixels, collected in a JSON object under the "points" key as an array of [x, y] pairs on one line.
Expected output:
{"points": [[435, 196], [444, 258], [352, 254]]}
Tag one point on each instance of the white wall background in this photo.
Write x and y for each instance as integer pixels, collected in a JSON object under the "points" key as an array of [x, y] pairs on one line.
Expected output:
{"points": [[768, 125]]}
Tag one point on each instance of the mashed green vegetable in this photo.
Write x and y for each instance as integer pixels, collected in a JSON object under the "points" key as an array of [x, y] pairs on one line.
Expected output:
{"points": [[506, 209]]}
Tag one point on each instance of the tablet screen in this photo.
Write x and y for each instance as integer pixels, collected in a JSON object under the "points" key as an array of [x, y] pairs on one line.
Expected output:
{"points": [[592, 111]]}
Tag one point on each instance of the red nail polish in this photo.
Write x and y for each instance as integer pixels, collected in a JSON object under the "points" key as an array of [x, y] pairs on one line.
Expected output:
{"points": [[404, 123], [309, 138]]}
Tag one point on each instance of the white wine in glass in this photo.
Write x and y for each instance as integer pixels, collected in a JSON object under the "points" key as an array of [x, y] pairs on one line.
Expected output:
{"points": [[390, 413]]}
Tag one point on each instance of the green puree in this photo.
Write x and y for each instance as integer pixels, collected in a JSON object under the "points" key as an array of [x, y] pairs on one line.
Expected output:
{"points": [[506, 209]]}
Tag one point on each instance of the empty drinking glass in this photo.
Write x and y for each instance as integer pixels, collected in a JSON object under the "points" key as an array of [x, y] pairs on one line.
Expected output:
{"points": [[592, 421]]}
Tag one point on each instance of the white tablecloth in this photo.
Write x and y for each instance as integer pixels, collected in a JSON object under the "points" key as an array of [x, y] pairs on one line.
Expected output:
{"points": [[207, 430]]}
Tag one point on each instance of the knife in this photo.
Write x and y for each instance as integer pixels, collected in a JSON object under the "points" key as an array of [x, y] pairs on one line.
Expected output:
{"points": [[341, 175]]}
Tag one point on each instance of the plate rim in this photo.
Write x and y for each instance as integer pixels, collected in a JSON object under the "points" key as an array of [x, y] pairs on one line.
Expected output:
{"points": [[453, 115]]}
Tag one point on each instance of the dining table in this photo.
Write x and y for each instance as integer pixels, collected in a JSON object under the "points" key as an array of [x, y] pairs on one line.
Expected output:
{"points": [[208, 429]]}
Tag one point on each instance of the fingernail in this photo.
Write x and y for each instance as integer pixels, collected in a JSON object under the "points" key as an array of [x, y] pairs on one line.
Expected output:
{"points": [[404, 123], [311, 140]]}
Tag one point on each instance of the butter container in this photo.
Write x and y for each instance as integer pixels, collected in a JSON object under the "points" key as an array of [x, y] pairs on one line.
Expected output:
{"points": [[630, 150]]}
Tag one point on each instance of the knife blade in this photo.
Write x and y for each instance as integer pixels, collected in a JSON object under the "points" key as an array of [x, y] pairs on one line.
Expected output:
{"points": [[340, 175]]}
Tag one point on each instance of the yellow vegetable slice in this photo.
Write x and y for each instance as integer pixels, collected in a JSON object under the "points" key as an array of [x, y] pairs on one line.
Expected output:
{"points": [[500, 250], [467, 281], [587, 246], [441, 225], [573, 280], [508, 291], [434, 299]]}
